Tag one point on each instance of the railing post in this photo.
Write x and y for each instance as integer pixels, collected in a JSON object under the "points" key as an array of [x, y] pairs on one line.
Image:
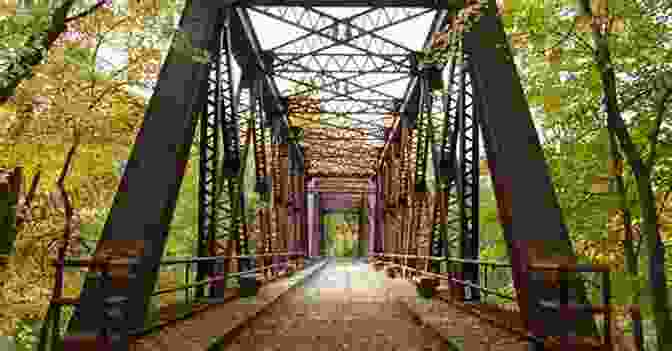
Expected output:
{"points": [[218, 287], [115, 327], [104, 280], [44, 331], [564, 299], [637, 327], [485, 283], [187, 268], [247, 281], [117, 331], [58, 292], [56, 335]]}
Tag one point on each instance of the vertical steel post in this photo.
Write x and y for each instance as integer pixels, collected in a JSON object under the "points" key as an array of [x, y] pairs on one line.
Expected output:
{"points": [[449, 165], [231, 176], [208, 160], [318, 222], [485, 283], [229, 119], [187, 268], [323, 234], [468, 178]]}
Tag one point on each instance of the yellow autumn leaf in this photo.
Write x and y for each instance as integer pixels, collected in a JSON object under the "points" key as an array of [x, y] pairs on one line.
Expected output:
{"points": [[108, 117], [617, 24], [8, 8], [7, 117], [584, 24], [600, 184], [599, 7], [519, 40], [506, 6], [552, 103], [553, 55]]}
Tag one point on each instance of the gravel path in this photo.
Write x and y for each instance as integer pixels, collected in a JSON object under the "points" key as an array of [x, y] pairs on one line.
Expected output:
{"points": [[345, 307]]}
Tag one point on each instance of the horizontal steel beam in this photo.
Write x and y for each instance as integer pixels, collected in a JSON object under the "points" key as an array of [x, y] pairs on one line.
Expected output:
{"points": [[345, 190], [363, 154], [360, 112], [437, 4], [341, 99], [333, 71], [289, 55], [361, 186], [317, 174]]}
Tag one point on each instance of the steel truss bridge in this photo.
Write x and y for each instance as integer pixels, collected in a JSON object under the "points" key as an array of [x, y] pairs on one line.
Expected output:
{"points": [[233, 104]]}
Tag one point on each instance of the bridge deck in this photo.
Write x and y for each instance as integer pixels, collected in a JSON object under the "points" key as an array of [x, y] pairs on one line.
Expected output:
{"points": [[345, 306]]}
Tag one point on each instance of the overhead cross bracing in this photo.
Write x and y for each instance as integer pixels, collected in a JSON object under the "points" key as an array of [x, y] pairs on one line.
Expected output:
{"points": [[360, 59], [350, 3]]}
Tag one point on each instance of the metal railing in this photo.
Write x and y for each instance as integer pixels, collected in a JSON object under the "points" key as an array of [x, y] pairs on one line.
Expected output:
{"points": [[563, 306], [450, 276], [50, 334], [215, 279]]}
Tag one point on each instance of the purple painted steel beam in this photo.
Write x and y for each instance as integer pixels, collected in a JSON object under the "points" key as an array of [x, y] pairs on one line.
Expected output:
{"points": [[337, 200], [378, 246], [313, 211], [372, 214]]}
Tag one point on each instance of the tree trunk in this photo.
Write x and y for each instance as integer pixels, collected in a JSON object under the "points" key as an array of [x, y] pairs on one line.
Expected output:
{"points": [[631, 262], [642, 173], [657, 276], [9, 197]]}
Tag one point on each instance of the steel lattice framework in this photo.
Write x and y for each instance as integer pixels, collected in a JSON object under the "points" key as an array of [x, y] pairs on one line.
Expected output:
{"points": [[236, 101], [350, 81]]}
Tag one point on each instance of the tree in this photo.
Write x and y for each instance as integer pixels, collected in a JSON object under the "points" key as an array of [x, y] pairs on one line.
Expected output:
{"points": [[67, 90], [44, 26], [642, 168], [567, 96]]}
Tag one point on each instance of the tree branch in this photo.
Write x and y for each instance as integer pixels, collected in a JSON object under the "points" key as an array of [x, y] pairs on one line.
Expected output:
{"points": [[66, 200], [21, 68], [28, 200], [662, 95], [640, 241], [103, 93], [626, 104], [87, 12]]}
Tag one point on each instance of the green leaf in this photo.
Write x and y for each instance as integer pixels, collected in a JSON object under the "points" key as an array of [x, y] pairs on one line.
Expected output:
{"points": [[536, 100], [595, 77]]}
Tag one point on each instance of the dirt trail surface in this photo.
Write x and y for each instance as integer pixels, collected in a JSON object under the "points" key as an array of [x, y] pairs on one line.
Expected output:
{"points": [[199, 331], [461, 327], [346, 307]]}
